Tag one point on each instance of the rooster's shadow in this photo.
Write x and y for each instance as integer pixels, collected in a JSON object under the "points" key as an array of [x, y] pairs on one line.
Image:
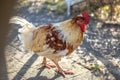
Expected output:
{"points": [[40, 77]]}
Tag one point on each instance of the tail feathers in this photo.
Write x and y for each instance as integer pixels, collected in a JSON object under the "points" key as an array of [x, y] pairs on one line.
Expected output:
{"points": [[21, 21]]}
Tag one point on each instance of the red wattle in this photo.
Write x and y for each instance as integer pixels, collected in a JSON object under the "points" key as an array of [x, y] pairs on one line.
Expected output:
{"points": [[83, 28]]}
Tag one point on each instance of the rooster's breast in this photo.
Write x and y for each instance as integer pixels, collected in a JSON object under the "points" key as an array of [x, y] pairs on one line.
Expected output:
{"points": [[49, 43]]}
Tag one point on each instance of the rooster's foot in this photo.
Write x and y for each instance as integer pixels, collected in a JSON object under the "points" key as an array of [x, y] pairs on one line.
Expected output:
{"points": [[64, 72], [49, 65]]}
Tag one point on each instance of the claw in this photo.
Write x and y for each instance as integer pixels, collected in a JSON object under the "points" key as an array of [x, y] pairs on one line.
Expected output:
{"points": [[64, 72], [68, 72], [49, 66]]}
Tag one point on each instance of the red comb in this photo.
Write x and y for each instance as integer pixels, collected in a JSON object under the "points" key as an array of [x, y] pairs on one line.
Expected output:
{"points": [[86, 17]]}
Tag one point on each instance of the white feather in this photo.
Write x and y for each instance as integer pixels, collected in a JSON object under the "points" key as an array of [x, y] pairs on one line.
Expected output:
{"points": [[26, 32], [63, 52], [21, 21]]}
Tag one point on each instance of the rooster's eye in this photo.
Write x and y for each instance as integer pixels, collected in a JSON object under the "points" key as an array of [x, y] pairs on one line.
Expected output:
{"points": [[81, 21]]}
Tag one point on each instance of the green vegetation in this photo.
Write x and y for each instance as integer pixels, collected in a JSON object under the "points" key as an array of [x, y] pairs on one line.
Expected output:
{"points": [[59, 7]]}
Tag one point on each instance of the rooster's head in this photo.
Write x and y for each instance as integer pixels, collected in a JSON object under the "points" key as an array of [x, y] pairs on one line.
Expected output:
{"points": [[82, 20]]}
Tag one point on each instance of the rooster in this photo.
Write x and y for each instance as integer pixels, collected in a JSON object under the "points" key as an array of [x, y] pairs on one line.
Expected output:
{"points": [[53, 41]]}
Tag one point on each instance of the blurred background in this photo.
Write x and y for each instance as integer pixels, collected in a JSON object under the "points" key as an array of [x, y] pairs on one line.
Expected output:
{"points": [[105, 10]]}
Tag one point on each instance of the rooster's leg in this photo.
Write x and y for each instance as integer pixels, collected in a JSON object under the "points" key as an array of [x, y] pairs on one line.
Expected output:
{"points": [[47, 65], [61, 71]]}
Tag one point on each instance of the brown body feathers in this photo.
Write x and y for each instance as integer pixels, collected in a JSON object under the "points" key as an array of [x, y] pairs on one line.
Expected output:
{"points": [[58, 37]]}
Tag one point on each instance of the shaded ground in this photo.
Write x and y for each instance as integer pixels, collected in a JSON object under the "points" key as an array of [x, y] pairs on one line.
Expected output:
{"points": [[101, 46]]}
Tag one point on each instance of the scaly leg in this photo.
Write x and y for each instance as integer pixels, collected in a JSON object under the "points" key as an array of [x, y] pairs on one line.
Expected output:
{"points": [[61, 71], [47, 65]]}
